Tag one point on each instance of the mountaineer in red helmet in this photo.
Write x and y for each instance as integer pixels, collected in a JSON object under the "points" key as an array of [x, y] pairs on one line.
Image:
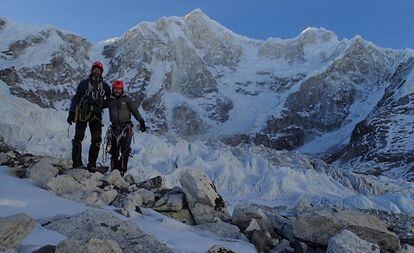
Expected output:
{"points": [[121, 107], [86, 108]]}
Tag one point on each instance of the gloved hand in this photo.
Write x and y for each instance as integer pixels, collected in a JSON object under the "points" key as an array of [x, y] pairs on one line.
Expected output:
{"points": [[71, 117], [142, 126]]}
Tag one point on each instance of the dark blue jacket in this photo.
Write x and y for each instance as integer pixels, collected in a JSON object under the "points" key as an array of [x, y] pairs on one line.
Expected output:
{"points": [[81, 91]]}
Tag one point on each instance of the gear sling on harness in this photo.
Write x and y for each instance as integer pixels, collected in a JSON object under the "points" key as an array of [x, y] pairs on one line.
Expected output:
{"points": [[116, 132], [87, 104]]}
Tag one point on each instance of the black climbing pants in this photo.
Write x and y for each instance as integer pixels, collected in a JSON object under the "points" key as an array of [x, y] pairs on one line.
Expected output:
{"points": [[95, 128]]}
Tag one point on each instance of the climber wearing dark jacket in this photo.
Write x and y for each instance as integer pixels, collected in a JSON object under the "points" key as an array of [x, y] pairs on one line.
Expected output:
{"points": [[86, 108], [120, 108]]}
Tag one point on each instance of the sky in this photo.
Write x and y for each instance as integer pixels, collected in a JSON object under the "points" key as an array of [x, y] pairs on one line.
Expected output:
{"points": [[387, 23]]}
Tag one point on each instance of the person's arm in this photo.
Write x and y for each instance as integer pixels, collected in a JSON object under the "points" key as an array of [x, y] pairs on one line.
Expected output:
{"points": [[107, 89], [134, 110], [76, 98], [105, 103]]}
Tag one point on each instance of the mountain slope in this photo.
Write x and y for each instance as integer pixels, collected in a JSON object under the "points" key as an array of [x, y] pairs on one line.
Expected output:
{"points": [[199, 80]]}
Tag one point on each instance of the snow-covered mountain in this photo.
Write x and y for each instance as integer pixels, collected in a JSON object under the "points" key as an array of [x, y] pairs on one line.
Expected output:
{"points": [[197, 79]]}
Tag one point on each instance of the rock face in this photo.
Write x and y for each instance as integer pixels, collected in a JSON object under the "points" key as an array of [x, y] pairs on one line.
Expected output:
{"points": [[203, 200], [348, 242], [91, 246], [43, 171], [381, 140], [13, 229], [101, 225], [223, 229], [219, 249], [319, 224]]}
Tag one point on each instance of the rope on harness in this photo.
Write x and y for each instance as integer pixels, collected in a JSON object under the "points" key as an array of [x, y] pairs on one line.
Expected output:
{"points": [[69, 131], [106, 145]]}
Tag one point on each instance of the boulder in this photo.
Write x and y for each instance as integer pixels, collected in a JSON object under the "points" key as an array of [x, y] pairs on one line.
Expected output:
{"points": [[219, 249], [3, 158], [223, 229], [89, 198], [108, 196], [317, 225], [254, 225], [92, 246], [347, 242], [243, 215], [282, 247], [260, 240], [152, 183], [148, 197], [130, 179], [13, 229], [64, 184], [4, 250], [42, 171], [79, 174], [116, 179], [406, 248], [46, 249], [203, 200], [130, 202], [170, 202], [183, 216], [95, 223]]}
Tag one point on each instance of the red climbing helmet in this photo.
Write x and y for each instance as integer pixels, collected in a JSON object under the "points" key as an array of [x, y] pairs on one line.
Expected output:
{"points": [[118, 84], [98, 65]]}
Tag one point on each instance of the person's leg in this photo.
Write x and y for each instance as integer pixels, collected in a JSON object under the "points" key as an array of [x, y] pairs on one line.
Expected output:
{"points": [[80, 128], [95, 127], [114, 153], [125, 151]]}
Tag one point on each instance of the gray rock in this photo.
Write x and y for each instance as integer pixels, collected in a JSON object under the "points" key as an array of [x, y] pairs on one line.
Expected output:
{"points": [[3, 158], [92, 246], [348, 242], [148, 197], [108, 196], [254, 225], [116, 179], [64, 184], [183, 216], [406, 248], [317, 225], [219, 249], [260, 240], [130, 179], [95, 223], [89, 198], [42, 171], [243, 215], [46, 249], [130, 202], [79, 174], [152, 183], [203, 200], [300, 247], [13, 229], [223, 229], [4, 250], [170, 202], [282, 247]]}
